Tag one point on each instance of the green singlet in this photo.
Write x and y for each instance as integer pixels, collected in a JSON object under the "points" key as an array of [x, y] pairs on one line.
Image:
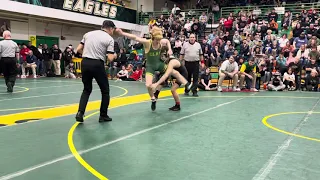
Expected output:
{"points": [[153, 62]]}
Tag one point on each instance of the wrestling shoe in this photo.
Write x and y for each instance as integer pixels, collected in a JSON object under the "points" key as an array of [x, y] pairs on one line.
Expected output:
{"points": [[153, 104], [175, 108]]}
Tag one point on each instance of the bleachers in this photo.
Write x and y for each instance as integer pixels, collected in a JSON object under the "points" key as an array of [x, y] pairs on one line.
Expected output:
{"points": [[266, 9], [144, 17]]}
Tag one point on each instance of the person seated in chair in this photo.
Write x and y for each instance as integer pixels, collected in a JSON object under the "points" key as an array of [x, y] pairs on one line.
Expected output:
{"points": [[248, 73], [276, 83], [30, 62], [229, 68], [205, 82]]}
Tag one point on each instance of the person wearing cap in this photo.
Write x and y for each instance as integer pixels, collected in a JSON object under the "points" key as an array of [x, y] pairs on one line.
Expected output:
{"points": [[96, 48], [9, 54]]}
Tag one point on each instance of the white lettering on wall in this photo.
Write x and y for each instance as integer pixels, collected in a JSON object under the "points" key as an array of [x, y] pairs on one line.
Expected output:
{"points": [[113, 12], [79, 6], [68, 4], [105, 10], [89, 7], [97, 10]]}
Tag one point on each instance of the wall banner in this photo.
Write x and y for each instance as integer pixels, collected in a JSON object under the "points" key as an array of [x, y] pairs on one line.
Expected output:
{"points": [[98, 8]]}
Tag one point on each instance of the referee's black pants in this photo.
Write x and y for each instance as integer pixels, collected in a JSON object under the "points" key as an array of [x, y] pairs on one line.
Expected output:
{"points": [[193, 71], [9, 69], [93, 68]]}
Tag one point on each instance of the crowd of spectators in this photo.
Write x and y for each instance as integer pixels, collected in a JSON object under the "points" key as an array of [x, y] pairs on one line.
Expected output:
{"points": [[275, 49], [269, 52]]}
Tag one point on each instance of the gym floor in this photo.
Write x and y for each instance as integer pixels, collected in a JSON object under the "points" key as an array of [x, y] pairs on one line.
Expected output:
{"points": [[221, 136]]}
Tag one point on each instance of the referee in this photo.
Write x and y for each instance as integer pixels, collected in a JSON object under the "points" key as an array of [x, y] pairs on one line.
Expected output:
{"points": [[191, 53], [9, 54], [96, 48]]}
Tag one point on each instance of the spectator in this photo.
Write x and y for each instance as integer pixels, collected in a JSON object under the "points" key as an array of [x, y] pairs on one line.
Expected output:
{"points": [[70, 71], [205, 81], [312, 81], [281, 61], [299, 41], [312, 65], [122, 74], [248, 73], [276, 83], [273, 16], [56, 56], [296, 68], [136, 75], [229, 69], [289, 80], [47, 59], [24, 52], [30, 63]]}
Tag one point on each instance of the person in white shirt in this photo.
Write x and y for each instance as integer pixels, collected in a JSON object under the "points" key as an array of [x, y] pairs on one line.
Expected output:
{"points": [[175, 10], [229, 68], [289, 80], [122, 74], [283, 40], [188, 25]]}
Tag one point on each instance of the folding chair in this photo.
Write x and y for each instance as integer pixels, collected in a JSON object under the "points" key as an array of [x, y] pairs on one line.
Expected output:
{"points": [[230, 81], [214, 72]]}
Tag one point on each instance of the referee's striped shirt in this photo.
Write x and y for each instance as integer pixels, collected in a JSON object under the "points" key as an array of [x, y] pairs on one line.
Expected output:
{"points": [[191, 52], [97, 44], [8, 48]]}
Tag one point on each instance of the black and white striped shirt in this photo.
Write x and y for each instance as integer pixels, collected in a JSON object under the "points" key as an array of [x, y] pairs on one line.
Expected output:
{"points": [[8, 48], [97, 44]]}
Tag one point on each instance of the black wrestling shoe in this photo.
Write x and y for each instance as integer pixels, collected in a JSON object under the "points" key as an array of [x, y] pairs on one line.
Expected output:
{"points": [[175, 108], [105, 118], [187, 87], [195, 95], [9, 87], [153, 105], [79, 117]]}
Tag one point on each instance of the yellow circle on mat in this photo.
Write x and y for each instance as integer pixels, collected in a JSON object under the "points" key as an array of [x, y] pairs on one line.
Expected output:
{"points": [[265, 122]]}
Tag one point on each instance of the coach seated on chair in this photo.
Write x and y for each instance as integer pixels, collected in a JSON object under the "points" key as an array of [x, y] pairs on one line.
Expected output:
{"points": [[229, 68], [248, 72], [31, 62]]}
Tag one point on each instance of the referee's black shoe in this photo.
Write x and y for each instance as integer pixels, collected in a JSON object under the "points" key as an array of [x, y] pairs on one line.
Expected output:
{"points": [[9, 87], [105, 118], [79, 117]]}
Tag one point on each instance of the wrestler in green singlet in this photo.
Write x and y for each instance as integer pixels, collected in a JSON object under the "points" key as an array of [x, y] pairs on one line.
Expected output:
{"points": [[153, 62]]}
